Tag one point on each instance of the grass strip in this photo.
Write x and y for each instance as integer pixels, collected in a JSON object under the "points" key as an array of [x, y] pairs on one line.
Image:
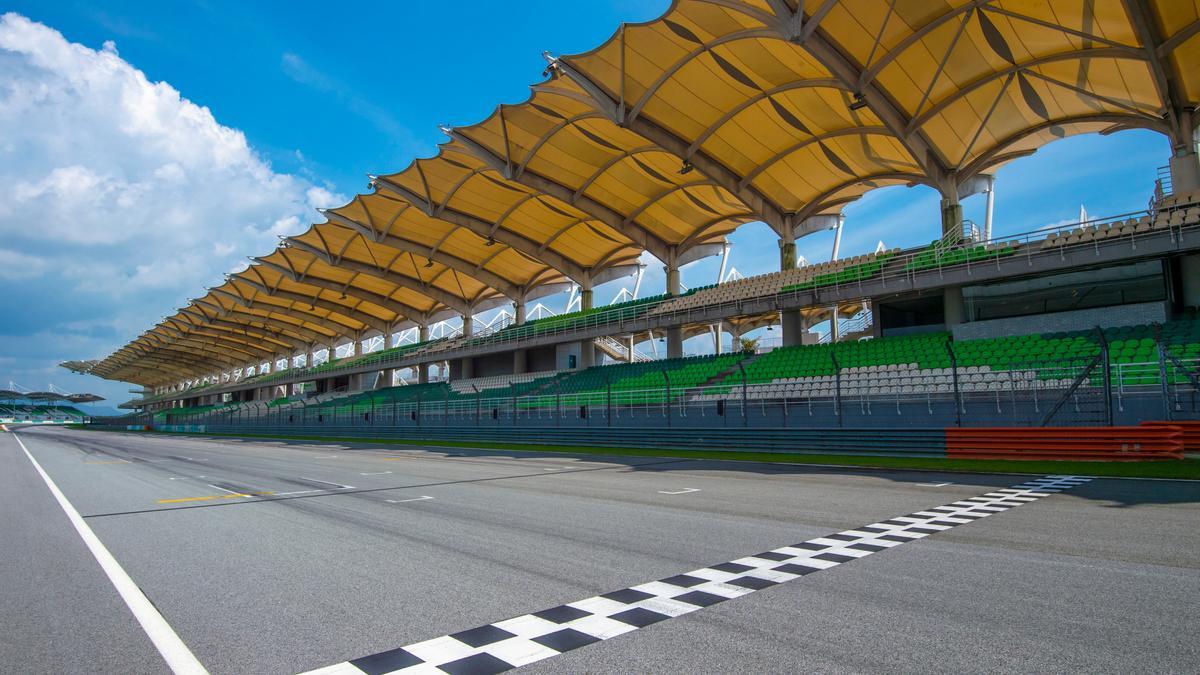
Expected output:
{"points": [[1178, 469]]}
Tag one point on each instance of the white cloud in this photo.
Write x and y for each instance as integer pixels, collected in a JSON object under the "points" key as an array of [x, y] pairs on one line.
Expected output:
{"points": [[14, 265], [122, 197]]}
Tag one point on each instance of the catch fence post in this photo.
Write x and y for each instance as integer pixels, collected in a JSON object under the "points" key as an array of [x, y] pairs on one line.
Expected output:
{"points": [[667, 379], [837, 385], [1162, 373], [608, 398], [1107, 376], [958, 404], [745, 395]]}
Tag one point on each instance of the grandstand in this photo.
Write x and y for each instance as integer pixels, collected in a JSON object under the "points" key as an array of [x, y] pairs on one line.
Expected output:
{"points": [[42, 407], [663, 141]]}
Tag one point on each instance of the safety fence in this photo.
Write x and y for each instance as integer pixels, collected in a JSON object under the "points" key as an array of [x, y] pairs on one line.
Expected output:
{"points": [[1079, 392], [1021, 443]]}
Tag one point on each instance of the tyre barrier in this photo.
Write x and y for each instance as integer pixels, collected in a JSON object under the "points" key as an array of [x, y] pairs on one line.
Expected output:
{"points": [[1138, 443], [1190, 429]]}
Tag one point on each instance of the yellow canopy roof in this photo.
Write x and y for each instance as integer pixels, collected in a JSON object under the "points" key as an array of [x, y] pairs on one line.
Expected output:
{"points": [[674, 132]]}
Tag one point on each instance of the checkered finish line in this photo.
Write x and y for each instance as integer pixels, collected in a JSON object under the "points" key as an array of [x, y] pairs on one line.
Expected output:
{"points": [[522, 640]]}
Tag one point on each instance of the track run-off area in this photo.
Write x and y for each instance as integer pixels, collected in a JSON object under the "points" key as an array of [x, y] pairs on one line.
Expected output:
{"points": [[267, 556]]}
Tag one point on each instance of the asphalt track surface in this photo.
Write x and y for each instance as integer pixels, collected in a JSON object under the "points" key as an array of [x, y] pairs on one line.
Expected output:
{"points": [[346, 550]]}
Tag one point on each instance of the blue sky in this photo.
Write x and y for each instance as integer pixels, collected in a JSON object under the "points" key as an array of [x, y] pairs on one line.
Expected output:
{"points": [[352, 90], [308, 98]]}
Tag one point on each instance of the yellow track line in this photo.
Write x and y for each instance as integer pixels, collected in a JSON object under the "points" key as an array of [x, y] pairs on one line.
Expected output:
{"points": [[210, 497]]}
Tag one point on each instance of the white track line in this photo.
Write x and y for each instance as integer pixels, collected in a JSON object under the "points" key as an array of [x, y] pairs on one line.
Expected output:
{"points": [[232, 492], [177, 655], [326, 482]]}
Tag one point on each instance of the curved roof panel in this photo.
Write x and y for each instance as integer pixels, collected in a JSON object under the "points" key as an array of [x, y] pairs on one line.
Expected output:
{"points": [[674, 132]]}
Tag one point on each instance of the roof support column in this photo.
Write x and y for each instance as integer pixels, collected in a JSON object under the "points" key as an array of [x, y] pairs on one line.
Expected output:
{"points": [[953, 309], [519, 312], [790, 319], [952, 213], [792, 323], [675, 342], [1185, 166], [787, 251], [585, 295], [422, 368], [1189, 272], [1185, 163], [587, 348], [991, 204], [674, 287], [1185, 170], [834, 315], [468, 324]]}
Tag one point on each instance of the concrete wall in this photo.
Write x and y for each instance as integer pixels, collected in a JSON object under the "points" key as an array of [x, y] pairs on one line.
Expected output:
{"points": [[493, 364], [542, 359], [562, 355], [1081, 319]]}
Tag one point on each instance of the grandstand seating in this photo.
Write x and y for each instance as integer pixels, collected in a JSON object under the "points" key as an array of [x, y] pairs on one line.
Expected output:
{"points": [[1179, 200], [846, 270], [852, 270], [928, 363], [1120, 228], [567, 322], [1174, 211], [939, 255], [164, 415], [631, 383], [922, 364], [490, 385], [38, 413], [834, 273]]}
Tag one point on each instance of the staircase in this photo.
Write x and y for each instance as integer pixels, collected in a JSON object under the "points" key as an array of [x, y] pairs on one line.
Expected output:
{"points": [[618, 351], [720, 377], [557, 377], [858, 326]]}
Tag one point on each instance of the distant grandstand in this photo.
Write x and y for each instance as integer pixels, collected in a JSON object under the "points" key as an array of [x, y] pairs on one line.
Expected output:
{"points": [[19, 405], [667, 138]]}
